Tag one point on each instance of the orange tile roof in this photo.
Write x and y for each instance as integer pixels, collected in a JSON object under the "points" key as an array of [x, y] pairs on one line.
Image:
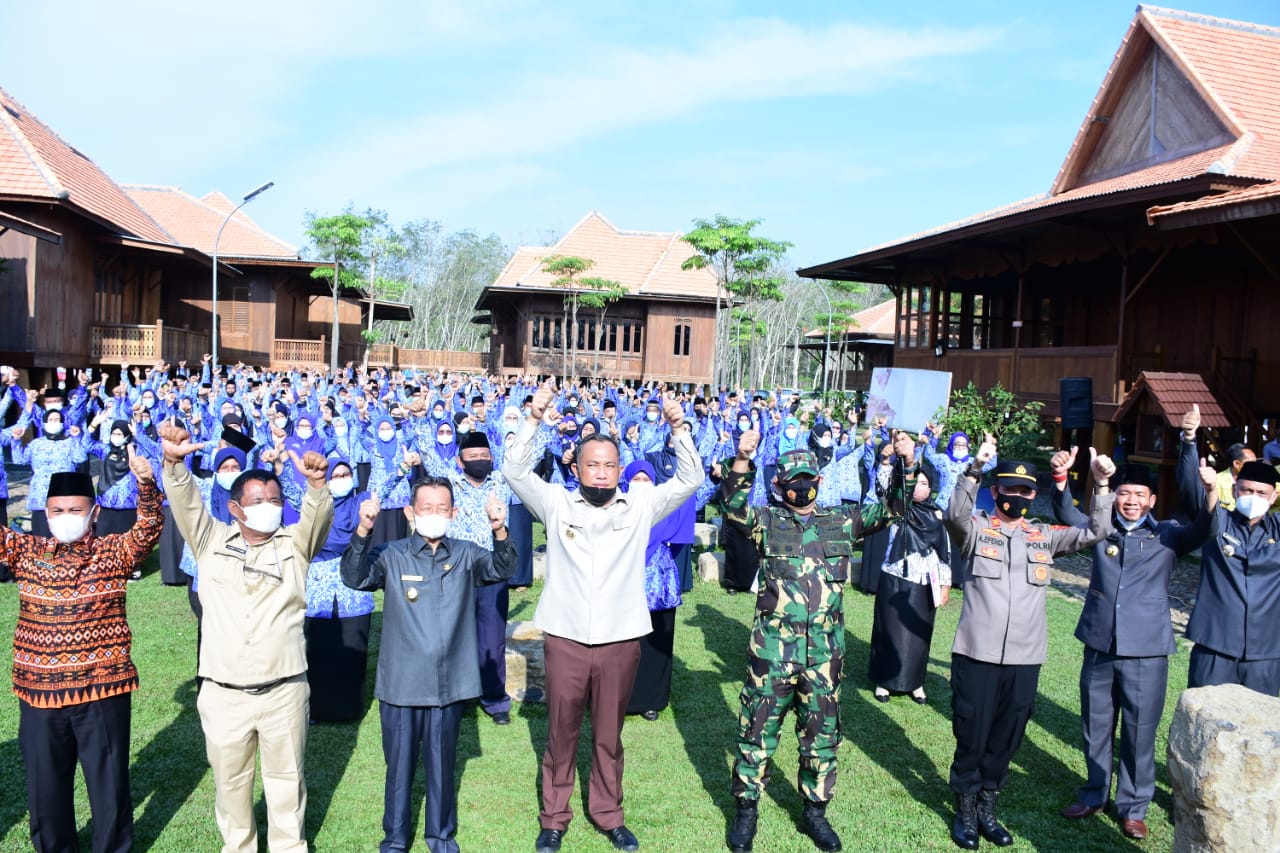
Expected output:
{"points": [[646, 263], [1175, 393], [1235, 67], [195, 222], [875, 322], [1232, 198], [36, 164]]}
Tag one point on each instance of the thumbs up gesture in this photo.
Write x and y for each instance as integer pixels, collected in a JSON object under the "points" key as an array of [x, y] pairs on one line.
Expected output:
{"points": [[1101, 466], [1191, 423], [1062, 463]]}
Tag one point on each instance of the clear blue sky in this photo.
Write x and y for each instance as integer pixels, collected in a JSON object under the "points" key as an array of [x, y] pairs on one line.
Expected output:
{"points": [[840, 124]]}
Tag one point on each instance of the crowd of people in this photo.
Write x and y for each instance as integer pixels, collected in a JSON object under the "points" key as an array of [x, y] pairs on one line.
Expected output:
{"points": [[281, 500]]}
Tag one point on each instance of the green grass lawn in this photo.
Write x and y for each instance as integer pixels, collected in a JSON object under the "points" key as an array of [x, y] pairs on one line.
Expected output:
{"points": [[892, 793]]}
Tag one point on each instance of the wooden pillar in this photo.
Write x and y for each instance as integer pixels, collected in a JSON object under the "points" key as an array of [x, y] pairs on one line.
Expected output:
{"points": [[159, 341]]}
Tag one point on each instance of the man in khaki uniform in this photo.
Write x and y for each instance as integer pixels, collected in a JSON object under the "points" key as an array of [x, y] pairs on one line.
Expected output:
{"points": [[254, 698]]}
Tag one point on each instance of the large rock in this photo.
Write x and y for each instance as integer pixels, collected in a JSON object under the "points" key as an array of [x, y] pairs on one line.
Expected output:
{"points": [[704, 535], [711, 566], [526, 672], [1224, 763]]}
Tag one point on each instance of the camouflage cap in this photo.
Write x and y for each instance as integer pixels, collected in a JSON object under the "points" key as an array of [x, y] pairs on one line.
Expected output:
{"points": [[797, 463]]}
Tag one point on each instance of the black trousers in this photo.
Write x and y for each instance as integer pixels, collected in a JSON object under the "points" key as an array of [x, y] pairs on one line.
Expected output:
{"points": [[410, 732], [1129, 690], [1207, 667], [5, 575], [520, 528], [990, 706], [52, 740]]}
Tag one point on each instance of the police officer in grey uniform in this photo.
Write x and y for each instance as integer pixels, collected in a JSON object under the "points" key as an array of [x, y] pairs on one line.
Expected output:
{"points": [[1002, 636], [1127, 636]]}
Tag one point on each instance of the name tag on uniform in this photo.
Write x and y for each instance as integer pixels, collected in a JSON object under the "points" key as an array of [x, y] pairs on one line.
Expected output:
{"points": [[411, 578]]}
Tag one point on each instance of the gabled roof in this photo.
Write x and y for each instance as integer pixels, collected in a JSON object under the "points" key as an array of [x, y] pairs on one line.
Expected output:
{"points": [[195, 222], [646, 263], [878, 321], [1225, 72], [38, 165], [1175, 394]]}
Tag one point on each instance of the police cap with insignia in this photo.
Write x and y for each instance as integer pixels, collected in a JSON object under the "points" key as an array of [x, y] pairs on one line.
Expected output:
{"points": [[797, 463], [71, 484], [1016, 473]]}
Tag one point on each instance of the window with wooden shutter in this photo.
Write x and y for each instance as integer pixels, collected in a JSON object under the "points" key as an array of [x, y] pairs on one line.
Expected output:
{"points": [[233, 313]]}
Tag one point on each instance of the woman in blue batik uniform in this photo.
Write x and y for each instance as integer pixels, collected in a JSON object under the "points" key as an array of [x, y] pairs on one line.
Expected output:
{"points": [[59, 449], [337, 624], [652, 688]]}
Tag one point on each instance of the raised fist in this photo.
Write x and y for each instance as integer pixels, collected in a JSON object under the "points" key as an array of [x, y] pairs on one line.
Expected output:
{"points": [[314, 467], [747, 443], [497, 512], [140, 465]]}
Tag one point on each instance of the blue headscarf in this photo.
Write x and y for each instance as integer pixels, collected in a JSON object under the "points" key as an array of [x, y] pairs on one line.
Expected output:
{"points": [[388, 449], [786, 445], [951, 447], [663, 531], [346, 515], [218, 496]]}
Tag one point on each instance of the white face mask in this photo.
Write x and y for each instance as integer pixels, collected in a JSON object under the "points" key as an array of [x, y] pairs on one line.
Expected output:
{"points": [[339, 427], [118, 440], [340, 487], [431, 526], [445, 438], [651, 416], [226, 478], [463, 429], [386, 434], [281, 422], [148, 402], [305, 433], [53, 406], [1252, 506], [511, 425], [53, 427], [264, 518], [792, 432], [69, 528], [825, 441]]}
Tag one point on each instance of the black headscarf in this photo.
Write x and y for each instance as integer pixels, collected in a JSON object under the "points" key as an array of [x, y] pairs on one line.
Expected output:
{"points": [[115, 463], [823, 454]]}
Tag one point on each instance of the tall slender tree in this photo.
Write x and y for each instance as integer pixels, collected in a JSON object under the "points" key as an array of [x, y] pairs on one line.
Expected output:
{"points": [[742, 262], [340, 241]]}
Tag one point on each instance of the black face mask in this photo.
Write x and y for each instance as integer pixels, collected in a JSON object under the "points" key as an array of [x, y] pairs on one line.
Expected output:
{"points": [[478, 469], [800, 491], [1014, 506], [598, 495]]}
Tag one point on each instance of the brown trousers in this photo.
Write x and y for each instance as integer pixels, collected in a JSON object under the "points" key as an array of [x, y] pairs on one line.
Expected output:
{"points": [[578, 674]]}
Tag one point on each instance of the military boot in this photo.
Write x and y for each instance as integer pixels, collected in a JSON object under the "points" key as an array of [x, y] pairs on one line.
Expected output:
{"points": [[964, 828], [743, 830], [991, 828], [816, 827]]}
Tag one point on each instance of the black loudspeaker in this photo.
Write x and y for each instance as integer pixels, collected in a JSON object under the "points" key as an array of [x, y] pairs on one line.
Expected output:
{"points": [[1076, 394]]}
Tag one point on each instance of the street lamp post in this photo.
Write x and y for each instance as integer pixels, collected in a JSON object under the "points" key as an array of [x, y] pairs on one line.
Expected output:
{"points": [[826, 351], [213, 329]]}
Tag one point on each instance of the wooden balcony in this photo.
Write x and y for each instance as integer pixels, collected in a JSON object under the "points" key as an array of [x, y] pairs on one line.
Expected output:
{"points": [[287, 352], [1033, 374], [120, 343]]}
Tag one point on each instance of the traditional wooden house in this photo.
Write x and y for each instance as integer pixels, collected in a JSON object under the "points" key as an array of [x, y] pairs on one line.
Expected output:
{"points": [[1154, 248], [93, 274], [662, 328], [846, 358]]}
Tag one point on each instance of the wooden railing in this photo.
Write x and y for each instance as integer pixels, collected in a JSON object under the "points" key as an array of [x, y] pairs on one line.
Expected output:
{"points": [[116, 343], [286, 352], [441, 359], [1033, 374]]}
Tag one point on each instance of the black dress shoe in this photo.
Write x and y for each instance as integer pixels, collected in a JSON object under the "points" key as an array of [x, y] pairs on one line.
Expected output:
{"points": [[502, 718], [548, 841], [622, 839], [651, 716]]}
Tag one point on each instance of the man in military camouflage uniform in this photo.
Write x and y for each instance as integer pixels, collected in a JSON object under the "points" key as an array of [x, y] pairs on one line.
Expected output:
{"points": [[797, 642]]}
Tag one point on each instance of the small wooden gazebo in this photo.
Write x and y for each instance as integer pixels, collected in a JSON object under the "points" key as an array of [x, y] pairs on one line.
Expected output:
{"points": [[1152, 413]]}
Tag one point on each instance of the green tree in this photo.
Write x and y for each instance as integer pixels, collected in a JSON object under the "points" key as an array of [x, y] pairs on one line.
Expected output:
{"points": [[593, 292], [382, 245], [742, 262], [599, 294], [340, 240], [1016, 426]]}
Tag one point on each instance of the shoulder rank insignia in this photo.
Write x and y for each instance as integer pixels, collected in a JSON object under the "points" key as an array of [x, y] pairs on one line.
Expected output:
{"points": [[989, 551], [1041, 573]]}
